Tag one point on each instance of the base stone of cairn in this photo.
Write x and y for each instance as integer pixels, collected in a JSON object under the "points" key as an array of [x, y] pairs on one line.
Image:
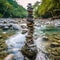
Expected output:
{"points": [[29, 50]]}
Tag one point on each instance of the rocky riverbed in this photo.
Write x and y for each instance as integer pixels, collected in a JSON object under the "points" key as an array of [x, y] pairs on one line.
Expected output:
{"points": [[46, 38], [3, 47]]}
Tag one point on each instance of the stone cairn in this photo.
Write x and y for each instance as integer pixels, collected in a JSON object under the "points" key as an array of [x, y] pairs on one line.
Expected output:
{"points": [[29, 50]]}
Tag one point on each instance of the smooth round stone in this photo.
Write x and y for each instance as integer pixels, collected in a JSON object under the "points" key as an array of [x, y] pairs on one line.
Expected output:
{"points": [[4, 32], [58, 41], [45, 39], [54, 44], [24, 31], [1, 37], [23, 26]]}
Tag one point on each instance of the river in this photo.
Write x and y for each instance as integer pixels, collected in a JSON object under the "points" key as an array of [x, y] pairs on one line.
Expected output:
{"points": [[17, 41]]}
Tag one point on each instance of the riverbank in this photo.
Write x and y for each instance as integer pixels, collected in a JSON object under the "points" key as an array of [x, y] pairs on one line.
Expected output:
{"points": [[3, 47]]}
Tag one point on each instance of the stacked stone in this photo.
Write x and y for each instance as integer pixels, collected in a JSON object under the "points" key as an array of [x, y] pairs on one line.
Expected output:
{"points": [[29, 50], [30, 25]]}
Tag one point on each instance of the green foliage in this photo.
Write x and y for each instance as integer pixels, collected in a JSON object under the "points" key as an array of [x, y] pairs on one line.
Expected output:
{"points": [[47, 8], [10, 8]]}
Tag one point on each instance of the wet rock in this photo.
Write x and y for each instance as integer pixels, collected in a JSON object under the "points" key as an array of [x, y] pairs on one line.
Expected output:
{"points": [[23, 26], [29, 36], [30, 25], [37, 25], [45, 39], [24, 31], [54, 47], [3, 47], [3, 55], [58, 50], [56, 37], [54, 44], [3, 32], [41, 56], [4, 22], [10, 25], [1, 37], [29, 50], [57, 57], [15, 27], [26, 58], [30, 20], [30, 41], [5, 28], [29, 53]]}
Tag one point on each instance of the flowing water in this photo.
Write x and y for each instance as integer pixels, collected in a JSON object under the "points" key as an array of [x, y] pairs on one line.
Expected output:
{"points": [[16, 42]]}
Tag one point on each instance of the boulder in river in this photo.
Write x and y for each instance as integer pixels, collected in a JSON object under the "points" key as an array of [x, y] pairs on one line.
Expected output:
{"points": [[54, 44], [5, 28], [23, 26], [16, 27], [29, 52], [24, 31]]}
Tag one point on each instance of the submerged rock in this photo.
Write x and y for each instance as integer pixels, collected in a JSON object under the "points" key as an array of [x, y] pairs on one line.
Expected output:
{"points": [[41, 56], [23, 26], [45, 38], [15, 27], [5, 28]]}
